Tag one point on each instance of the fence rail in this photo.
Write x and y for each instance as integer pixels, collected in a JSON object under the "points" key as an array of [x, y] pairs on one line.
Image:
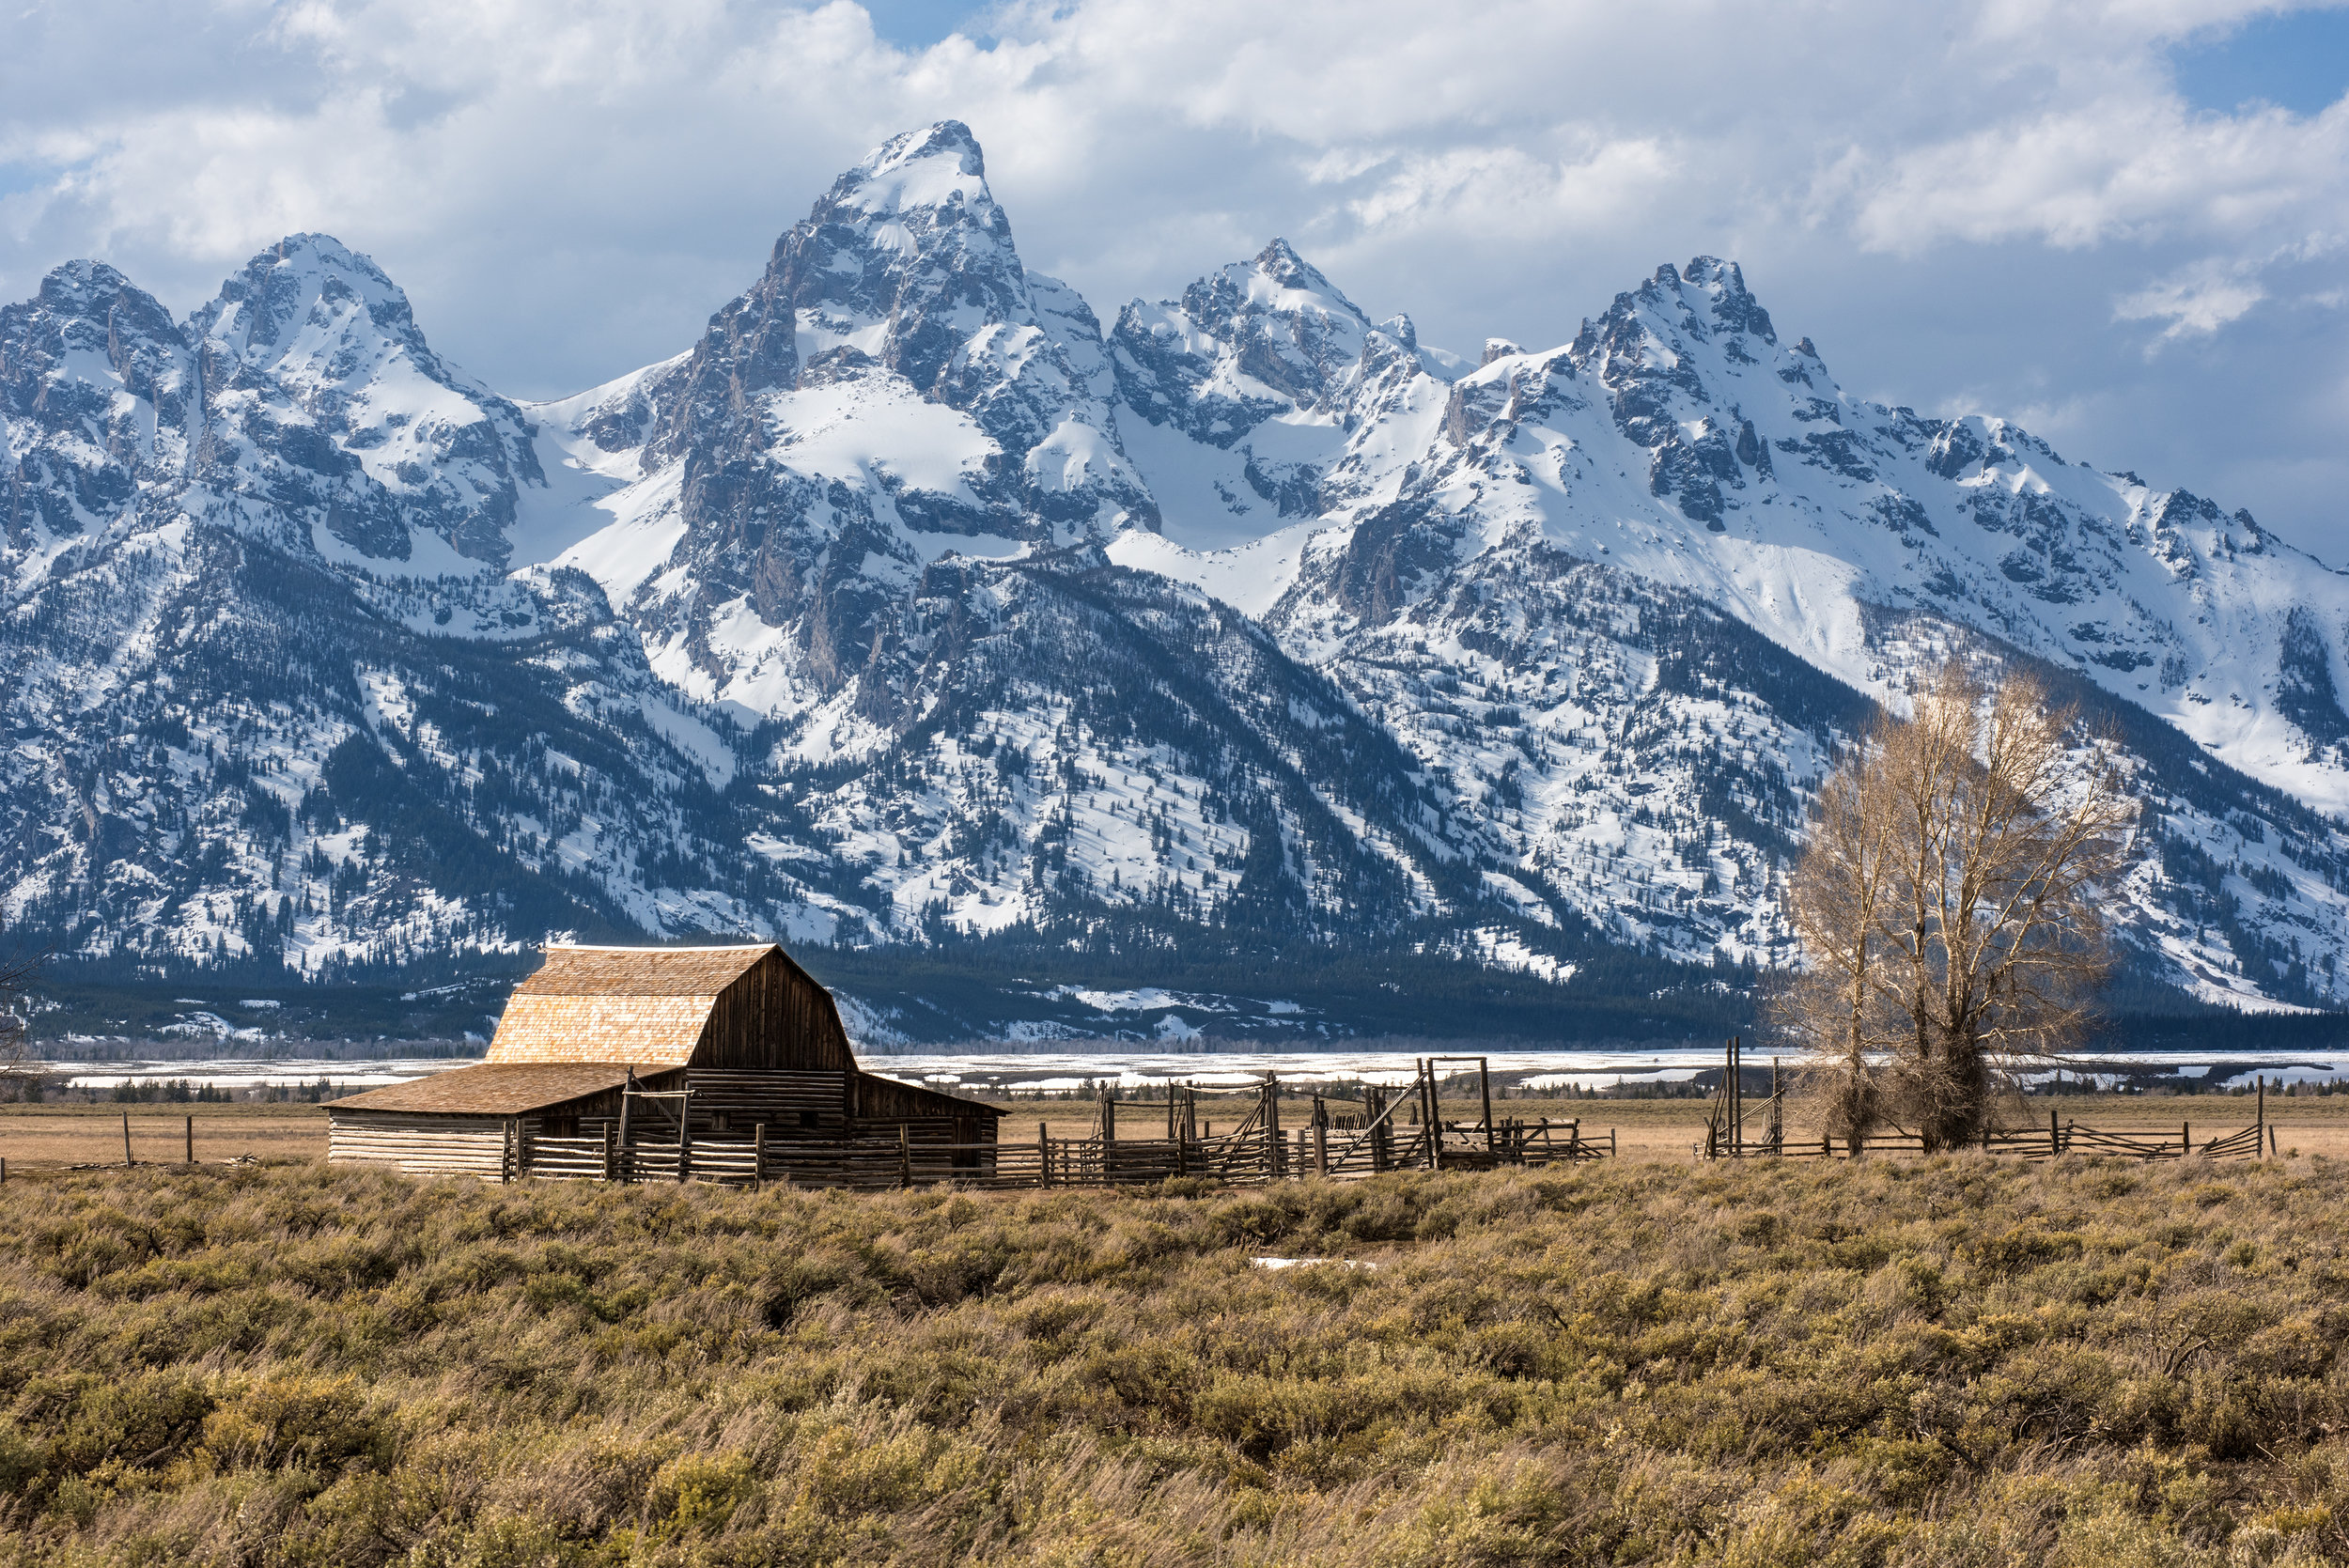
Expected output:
{"points": [[1258, 1150], [1725, 1133]]}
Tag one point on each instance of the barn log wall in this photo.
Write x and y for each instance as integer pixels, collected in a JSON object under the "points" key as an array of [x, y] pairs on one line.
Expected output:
{"points": [[793, 1105], [419, 1145]]}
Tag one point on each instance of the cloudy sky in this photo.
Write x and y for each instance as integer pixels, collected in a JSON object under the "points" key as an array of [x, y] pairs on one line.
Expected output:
{"points": [[2124, 224]]}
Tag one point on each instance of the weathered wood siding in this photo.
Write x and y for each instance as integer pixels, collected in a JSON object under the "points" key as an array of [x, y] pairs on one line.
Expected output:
{"points": [[794, 1106], [877, 1100], [775, 1019], [421, 1146]]}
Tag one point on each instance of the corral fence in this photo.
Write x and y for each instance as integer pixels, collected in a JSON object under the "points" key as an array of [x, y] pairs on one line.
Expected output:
{"points": [[1397, 1129], [1725, 1135]]}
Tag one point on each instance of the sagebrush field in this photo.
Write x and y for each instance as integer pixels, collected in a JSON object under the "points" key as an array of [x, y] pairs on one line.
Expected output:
{"points": [[1948, 1363]]}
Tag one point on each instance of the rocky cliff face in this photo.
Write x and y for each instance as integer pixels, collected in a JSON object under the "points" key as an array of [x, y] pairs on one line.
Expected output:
{"points": [[1209, 671], [888, 391]]}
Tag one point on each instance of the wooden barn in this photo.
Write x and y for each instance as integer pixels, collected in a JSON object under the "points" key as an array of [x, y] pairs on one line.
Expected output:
{"points": [[630, 1063]]}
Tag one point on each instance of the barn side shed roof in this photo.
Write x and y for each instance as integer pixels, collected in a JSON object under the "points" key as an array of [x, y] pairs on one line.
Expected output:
{"points": [[491, 1089]]}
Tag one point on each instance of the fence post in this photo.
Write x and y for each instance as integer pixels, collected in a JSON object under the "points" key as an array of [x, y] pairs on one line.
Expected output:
{"points": [[2262, 1124], [627, 1161], [2185, 1139], [1484, 1086], [191, 1130], [1431, 1114], [1321, 1136], [1275, 1151], [610, 1151], [685, 1139], [2055, 1141], [126, 1140], [506, 1153], [1043, 1156], [905, 1156], [758, 1157], [1737, 1100]]}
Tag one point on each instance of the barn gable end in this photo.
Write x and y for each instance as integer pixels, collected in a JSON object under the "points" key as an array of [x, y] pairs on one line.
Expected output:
{"points": [[745, 1008]]}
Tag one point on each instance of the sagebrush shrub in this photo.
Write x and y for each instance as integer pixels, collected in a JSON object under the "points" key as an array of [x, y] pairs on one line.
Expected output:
{"points": [[1945, 1361]]}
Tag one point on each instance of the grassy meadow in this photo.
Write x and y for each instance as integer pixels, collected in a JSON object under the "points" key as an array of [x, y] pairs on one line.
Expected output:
{"points": [[1950, 1361]]}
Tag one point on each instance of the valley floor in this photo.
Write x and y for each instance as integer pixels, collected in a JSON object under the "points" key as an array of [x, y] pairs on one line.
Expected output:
{"points": [[56, 1136], [1943, 1361]]}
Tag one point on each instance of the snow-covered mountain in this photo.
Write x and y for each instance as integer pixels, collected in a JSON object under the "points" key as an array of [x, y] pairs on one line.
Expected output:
{"points": [[1249, 666]]}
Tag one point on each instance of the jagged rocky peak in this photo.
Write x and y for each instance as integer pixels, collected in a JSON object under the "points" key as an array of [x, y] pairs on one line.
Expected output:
{"points": [[1248, 341], [1687, 360], [93, 383], [1735, 309], [318, 385], [87, 308], [902, 263], [307, 299], [89, 305], [907, 267], [904, 257]]}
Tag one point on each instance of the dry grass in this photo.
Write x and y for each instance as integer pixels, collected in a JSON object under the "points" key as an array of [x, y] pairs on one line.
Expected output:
{"points": [[36, 1137], [1944, 1362]]}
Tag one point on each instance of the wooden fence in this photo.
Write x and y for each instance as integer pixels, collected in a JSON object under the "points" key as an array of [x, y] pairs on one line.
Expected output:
{"points": [[1258, 1150], [1725, 1133]]}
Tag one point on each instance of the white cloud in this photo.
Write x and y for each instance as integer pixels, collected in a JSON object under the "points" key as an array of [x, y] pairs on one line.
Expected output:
{"points": [[2197, 302], [2132, 168], [1949, 199]]}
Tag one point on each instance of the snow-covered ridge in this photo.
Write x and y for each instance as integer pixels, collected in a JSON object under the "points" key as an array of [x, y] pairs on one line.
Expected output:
{"points": [[907, 605]]}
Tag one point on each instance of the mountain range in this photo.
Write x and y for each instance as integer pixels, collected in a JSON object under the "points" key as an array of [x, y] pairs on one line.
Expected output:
{"points": [[1235, 666]]}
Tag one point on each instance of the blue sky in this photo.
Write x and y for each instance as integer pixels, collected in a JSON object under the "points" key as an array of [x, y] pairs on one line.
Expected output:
{"points": [[918, 24], [2123, 223], [2296, 60]]}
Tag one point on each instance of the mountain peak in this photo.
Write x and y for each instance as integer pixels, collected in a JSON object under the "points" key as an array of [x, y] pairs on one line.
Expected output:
{"points": [[1280, 261], [1734, 307], [1290, 273], [73, 285], [264, 306], [939, 165], [322, 254], [945, 138]]}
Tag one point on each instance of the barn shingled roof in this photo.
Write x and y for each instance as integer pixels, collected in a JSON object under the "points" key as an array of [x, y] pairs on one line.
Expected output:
{"points": [[635, 1004]]}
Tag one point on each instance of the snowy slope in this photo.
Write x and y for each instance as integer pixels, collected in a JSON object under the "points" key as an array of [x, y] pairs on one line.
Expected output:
{"points": [[910, 609], [1678, 439]]}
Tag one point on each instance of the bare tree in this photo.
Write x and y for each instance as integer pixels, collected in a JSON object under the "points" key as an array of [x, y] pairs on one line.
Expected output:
{"points": [[19, 1071], [1836, 1004], [1949, 905]]}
